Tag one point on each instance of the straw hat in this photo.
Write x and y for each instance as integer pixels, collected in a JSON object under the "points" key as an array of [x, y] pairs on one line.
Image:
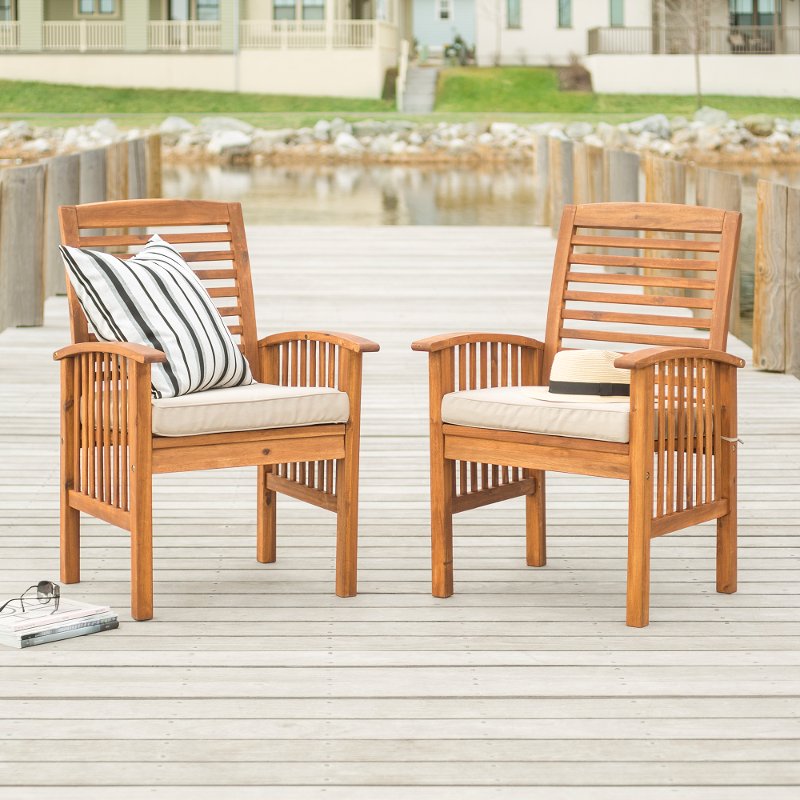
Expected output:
{"points": [[587, 376]]}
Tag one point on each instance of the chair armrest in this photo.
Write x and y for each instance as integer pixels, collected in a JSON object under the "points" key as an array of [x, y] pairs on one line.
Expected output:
{"points": [[356, 344], [445, 341], [639, 359], [135, 352]]}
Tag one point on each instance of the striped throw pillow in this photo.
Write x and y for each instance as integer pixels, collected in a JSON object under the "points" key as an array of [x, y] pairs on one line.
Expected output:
{"points": [[155, 299]]}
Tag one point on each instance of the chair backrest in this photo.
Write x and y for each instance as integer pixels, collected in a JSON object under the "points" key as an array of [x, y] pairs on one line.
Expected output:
{"points": [[210, 236], [668, 259]]}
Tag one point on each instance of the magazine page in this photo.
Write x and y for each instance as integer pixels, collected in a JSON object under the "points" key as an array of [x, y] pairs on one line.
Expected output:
{"points": [[37, 615]]}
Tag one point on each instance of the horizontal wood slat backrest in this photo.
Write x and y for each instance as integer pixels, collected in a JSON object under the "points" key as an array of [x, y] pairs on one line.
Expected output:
{"points": [[217, 255], [676, 259]]}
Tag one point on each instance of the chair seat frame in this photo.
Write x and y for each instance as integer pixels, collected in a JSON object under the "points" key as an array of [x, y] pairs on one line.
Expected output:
{"points": [[109, 454]]}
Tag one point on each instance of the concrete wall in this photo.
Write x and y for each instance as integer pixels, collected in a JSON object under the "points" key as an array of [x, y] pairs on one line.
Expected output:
{"points": [[540, 40], [767, 75], [434, 32], [335, 73]]}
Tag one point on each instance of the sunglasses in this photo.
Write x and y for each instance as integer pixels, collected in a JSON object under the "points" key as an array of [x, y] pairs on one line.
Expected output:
{"points": [[45, 592]]}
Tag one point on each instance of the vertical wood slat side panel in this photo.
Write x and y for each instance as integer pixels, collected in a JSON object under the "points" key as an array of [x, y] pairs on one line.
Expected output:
{"points": [[115, 435], [84, 422], [690, 441], [701, 426], [670, 431], [91, 405], [123, 433], [792, 358], [769, 301], [710, 413], [662, 440], [680, 412], [107, 429]]}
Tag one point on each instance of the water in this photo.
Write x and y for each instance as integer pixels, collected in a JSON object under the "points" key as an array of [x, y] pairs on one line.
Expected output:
{"points": [[356, 194]]}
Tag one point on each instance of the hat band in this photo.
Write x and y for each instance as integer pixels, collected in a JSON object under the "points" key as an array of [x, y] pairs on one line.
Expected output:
{"points": [[601, 389]]}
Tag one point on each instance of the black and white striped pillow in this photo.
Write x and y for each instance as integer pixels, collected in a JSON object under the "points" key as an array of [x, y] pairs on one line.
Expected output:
{"points": [[155, 299]]}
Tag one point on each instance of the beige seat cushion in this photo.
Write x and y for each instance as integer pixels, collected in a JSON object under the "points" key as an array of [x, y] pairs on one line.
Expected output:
{"points": [[522, 408], [247, 408]]}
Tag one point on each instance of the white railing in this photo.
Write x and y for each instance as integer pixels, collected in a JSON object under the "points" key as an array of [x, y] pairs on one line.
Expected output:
{"points": [[309, 35], [183, 35], [9, 35], [83, 35], [402, 74]]}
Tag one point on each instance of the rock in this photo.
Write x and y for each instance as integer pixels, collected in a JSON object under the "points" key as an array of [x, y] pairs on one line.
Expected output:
{"points": [[503, 128], [759, 124], [20, 130], [678, 124], [382, 145], [415, 138], [713, 117], [40, 146], [175, 125], [322, 130], [105, 128], [399, 148], [457, 146], [347, 144], [709, 139], [593, 140], [210, 125], [338, 126], [274, 136], [225, 141], [368, 127], [486, 139], [684, 136], [779, 139], [657, 124], [579, 130]]}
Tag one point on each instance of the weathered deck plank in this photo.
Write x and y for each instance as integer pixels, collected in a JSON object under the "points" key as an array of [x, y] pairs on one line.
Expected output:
{"points": [[525, 684]]}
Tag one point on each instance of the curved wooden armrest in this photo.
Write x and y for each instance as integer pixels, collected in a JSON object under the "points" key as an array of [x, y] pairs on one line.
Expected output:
{"points": [[639, 359], [136, 352], [446, 340], [346, 340]]}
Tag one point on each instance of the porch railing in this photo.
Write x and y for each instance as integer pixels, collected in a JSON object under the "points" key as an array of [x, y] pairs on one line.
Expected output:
{"points": [[183, 35], [291, 34], [713, 40], [83, 35], [9, 35]]}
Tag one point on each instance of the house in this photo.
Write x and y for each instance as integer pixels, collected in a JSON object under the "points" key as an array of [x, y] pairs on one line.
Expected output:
{"points": [[345, 47], [304, 47]]}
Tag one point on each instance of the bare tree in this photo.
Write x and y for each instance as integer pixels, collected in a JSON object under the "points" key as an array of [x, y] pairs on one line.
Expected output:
{"points": [[685, 25]]}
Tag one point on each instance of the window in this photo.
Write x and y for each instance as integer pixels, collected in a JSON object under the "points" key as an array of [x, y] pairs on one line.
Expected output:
{"points": [[6, 10], [754, 12], [616, 14], [564, 13], [444, 9], [284, 9], [513, 16], [95, 8], [314, 9], [207, 10]]}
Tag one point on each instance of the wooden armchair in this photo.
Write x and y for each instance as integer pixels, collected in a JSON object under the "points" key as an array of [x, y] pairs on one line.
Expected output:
{"points": [[680, 457], [109, 453]]}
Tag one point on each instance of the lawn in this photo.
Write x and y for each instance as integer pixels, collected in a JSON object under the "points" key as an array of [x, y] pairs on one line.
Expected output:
{"points": [[24, 97], [534, 90]]}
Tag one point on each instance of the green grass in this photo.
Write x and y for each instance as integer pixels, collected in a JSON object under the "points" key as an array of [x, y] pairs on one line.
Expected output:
{"points": [[23, 97], [521, 94], [535, 90]]}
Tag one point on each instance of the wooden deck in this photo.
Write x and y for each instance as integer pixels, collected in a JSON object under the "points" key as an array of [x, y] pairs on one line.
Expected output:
{"points": [[255, 681]]}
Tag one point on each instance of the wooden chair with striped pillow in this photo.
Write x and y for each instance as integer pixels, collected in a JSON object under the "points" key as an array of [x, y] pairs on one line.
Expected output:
{"points": [[115, 436], [671, 289]]}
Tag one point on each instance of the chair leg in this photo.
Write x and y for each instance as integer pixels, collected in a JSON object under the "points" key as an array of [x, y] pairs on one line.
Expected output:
{"points": [[266, 536], [141, 511], [639, 526], [535, 525], [70, 518], [442, 479], [727, 525], [347, 519]]}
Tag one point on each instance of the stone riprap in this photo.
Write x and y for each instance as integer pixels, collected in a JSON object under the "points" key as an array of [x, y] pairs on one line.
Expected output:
{"points": [[710, 136]]}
